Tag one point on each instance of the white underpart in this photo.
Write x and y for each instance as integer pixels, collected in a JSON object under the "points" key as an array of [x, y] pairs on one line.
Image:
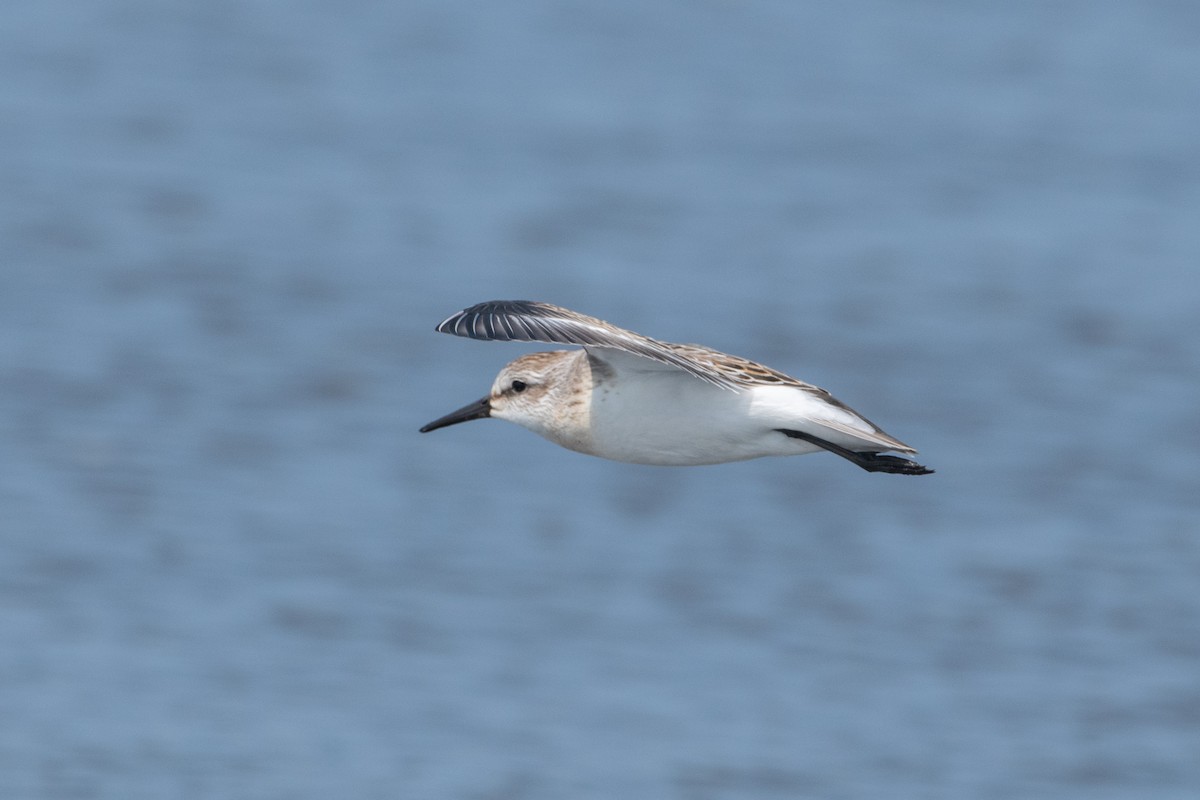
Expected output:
{"points": [[670, 418]]}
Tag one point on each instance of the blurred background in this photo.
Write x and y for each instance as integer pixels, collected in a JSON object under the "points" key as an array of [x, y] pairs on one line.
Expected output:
{"points": [[231, 567]]}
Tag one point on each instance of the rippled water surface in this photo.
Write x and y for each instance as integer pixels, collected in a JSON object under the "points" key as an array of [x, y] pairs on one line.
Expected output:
{"points": [[230, 567]]}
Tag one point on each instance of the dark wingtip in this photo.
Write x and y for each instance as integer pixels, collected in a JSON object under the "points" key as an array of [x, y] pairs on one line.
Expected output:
{"points": [[485, 311], [893, 465], [870, 461]]}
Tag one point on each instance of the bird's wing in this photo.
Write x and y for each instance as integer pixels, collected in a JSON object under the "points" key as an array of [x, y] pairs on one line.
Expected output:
{"points": [[529, 321]]}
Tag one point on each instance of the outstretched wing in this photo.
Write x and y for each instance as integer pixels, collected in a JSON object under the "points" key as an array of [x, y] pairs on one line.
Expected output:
{"points": [[529, 321]]}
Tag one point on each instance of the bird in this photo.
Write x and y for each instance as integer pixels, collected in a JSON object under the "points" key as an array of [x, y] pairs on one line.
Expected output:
{"points": [[627, 397]]}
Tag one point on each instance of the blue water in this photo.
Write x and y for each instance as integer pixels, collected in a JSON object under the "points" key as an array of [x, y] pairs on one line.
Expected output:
{"points": [[231, 568]]}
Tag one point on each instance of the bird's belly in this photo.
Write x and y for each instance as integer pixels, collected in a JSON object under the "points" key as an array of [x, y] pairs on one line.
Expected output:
{"points": [[678, 423]]}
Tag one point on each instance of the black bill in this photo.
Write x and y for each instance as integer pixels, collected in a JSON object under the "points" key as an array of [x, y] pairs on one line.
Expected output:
{"points": [[477, 410]]}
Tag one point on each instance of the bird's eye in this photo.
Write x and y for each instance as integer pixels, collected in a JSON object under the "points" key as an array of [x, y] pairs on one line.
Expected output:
{"points": [[518, 386]]}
